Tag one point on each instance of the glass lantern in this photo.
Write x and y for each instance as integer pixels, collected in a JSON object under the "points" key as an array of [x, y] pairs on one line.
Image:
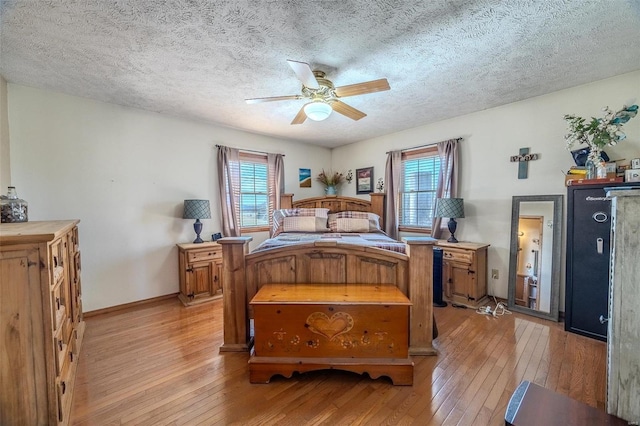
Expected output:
{"points": [[12, 208]]}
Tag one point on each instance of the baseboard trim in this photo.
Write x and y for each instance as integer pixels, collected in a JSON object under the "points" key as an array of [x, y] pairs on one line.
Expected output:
{"points": [[129, 305]]}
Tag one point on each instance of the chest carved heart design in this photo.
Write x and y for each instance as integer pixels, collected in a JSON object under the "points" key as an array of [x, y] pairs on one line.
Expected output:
{"points": [[339, 323]]}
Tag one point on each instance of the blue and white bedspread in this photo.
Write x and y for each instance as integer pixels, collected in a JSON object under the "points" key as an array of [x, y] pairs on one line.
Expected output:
{"points": [[371, 239]]}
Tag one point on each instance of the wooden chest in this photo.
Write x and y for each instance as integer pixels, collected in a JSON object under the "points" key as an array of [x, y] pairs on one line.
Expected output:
{"points": [[354, 327]]}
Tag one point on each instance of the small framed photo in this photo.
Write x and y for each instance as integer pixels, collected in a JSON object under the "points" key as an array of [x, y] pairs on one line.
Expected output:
{"points": [[635, 163], [364, 180], [305, 178]]}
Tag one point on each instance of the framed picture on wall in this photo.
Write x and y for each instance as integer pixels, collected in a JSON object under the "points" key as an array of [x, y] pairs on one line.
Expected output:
{"points": [[364, 180], [305, 178]]}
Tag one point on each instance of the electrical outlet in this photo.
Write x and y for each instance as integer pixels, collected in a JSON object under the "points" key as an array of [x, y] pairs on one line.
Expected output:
{"points": [[494, 274]]}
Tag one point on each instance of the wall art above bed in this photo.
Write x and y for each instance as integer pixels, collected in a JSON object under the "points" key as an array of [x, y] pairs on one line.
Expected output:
{"points": [[364, 180]]}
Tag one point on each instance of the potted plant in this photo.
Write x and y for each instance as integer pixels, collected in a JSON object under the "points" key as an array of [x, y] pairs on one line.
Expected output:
{"points": [[331, 181], [598, 133]]}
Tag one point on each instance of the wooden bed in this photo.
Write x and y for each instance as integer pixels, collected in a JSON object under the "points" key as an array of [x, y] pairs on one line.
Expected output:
{"points": [[327, 262]]}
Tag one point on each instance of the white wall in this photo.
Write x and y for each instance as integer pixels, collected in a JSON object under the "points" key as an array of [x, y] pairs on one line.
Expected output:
{"points": [[5, 164], [488, 180], [125, 173]]}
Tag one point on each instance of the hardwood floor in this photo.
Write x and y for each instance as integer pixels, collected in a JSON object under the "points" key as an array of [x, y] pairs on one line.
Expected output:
{"points": [[159, 364]]}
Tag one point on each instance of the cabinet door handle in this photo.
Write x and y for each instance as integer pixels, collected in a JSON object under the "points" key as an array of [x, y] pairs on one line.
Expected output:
{"points": [[60, 345], [57, 303], [64, 387], [191, 295], [603, 319], [190, 269]]}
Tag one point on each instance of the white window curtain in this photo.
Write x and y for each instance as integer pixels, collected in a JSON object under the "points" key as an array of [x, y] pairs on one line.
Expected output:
{"points": [[392, 174], [229, 189], [448, 181]]}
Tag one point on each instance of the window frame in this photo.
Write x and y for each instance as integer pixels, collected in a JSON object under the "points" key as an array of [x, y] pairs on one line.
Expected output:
{"points": [[250, 157], [426, 152]]}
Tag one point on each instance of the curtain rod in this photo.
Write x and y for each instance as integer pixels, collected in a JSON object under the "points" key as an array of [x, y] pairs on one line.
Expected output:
{"points": [[422, 146], [250, 150]]}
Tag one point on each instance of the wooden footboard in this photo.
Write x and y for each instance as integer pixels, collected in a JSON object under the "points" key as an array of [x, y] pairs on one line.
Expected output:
{"points": [[326, 262]]}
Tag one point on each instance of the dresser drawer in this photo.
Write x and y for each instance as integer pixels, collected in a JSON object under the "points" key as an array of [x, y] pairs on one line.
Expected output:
{"points": [[58, 307], [461, 256], [57, 261], [64, 392], [62, 347], [194, 256]]}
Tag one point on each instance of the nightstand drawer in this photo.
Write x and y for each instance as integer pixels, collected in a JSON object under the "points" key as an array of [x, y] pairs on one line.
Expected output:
{"points": [[194, 256], [461, 256]]}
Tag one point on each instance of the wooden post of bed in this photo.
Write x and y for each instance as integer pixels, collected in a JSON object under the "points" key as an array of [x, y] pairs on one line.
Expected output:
{"points": [[420, 288], [377, 206], [234, 294], [286, 201]]}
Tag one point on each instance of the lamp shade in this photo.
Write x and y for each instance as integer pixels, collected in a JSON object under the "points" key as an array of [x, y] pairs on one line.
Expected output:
{"points": [[318, 110], [196, 209], [449, 207]]}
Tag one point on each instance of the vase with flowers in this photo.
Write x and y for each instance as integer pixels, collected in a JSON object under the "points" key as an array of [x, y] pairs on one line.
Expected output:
{"points": [[331, 181], [598, 133]]}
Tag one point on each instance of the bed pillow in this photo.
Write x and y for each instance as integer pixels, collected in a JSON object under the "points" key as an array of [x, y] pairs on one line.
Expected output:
{"points": [[351, 221], [306, 220]]}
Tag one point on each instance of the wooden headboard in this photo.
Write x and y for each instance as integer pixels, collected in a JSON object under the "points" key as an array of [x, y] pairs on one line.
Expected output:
{"points": [[336, 203]]}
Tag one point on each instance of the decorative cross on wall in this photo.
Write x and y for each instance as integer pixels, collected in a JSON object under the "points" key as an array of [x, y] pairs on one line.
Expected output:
{"points": [[523, 159]]}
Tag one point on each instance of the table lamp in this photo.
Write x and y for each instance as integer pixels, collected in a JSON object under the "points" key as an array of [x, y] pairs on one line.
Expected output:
{"points": [[452, 208], [197, 209]]}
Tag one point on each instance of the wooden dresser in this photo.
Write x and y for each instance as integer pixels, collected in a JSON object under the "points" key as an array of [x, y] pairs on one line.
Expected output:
{"points": [[41, 325], [464, 272], [200, 268]]}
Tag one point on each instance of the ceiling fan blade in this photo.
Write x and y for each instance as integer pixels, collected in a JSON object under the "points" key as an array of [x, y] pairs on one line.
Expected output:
{"points": [[363, 88], [347, 111], [272, 98], [300, 117], [304, 73]]}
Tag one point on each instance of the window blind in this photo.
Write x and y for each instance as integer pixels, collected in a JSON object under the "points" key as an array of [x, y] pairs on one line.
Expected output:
{"points": [[420, 174], [254, 194]]}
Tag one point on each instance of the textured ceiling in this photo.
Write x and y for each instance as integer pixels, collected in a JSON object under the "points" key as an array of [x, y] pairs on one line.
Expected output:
{"points": [[201, 58]]}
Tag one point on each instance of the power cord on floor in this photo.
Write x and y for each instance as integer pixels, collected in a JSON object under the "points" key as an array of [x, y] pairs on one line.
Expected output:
{"points": [[499, 310]]}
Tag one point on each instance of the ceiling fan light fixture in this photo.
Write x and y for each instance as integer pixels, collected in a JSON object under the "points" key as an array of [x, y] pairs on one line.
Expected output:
{"points": [[318, 110]]}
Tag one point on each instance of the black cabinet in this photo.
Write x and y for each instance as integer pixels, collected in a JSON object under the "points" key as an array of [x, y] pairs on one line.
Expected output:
{"points": [[588, 246]]}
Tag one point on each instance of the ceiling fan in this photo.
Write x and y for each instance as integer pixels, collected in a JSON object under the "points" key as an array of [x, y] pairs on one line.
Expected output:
{"points": [[323, 96]]}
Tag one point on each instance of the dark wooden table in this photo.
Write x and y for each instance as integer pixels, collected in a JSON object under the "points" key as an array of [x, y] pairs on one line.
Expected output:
{"points": [[532, 405]]}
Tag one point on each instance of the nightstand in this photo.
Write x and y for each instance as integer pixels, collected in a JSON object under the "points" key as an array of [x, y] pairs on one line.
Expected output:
{"points": [[464, 272], [200, 270]]}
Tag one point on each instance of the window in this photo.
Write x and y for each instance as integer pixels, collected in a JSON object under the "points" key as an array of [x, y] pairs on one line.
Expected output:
{"points": [[420, 174], [254, 191]]}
